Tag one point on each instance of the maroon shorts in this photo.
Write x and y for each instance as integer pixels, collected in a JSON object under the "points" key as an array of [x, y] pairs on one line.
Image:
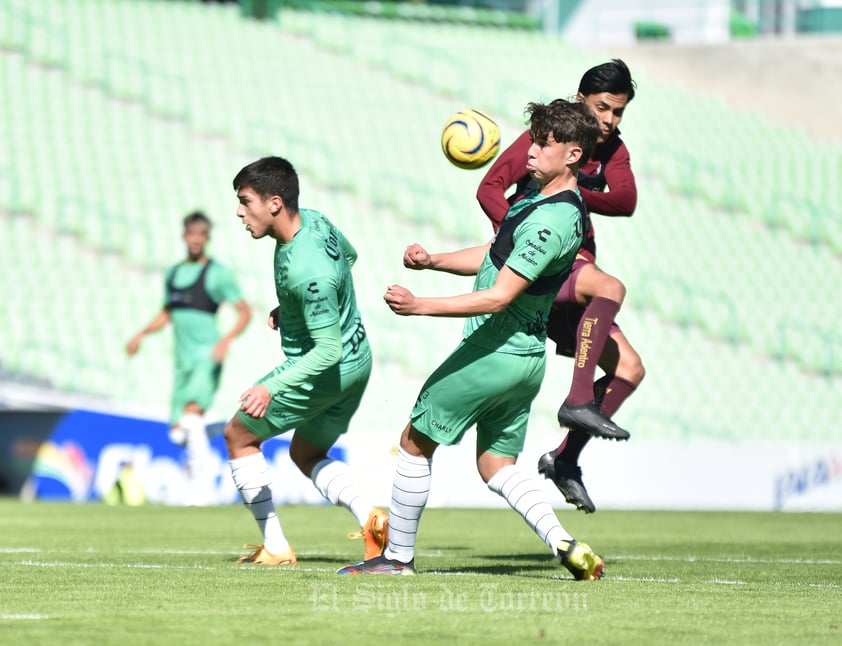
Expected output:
{"points": [[566, 313]]}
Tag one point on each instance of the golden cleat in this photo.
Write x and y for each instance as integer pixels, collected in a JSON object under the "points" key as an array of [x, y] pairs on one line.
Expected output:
{"points": [[375, 532], [261, 556]]}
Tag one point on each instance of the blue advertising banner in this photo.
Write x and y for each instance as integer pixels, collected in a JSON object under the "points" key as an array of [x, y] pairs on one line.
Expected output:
{"points": [[89, 455]]}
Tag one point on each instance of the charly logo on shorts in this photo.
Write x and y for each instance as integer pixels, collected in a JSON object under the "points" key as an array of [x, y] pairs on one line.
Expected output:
{"points": [[440, 426]]}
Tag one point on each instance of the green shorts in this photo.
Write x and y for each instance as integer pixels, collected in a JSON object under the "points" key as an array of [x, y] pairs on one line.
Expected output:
{"points": [[319, 411], [493, 390], [196, 384]]}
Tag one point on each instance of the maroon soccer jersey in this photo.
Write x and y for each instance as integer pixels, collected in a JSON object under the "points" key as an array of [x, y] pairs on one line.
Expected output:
{"points": [[609, 166]]}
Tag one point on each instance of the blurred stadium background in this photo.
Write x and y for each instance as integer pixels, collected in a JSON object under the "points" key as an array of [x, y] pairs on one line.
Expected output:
{"points": [[118, 117]]}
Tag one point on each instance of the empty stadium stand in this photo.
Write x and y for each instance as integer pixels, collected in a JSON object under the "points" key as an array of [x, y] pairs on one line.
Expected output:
{"points": [[115, 124]]}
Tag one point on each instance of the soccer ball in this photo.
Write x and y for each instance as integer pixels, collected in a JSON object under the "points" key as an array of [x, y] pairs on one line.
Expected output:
{"points": [[470, 139]]}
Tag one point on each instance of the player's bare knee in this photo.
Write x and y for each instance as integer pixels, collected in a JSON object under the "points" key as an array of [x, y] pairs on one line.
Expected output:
{"points": [[228, 432], [232, 439], [638, 373], [192, 408], [238, 439], [612, 288], [486, 471], [305, 455], [630, 367], [602, 285], [304, 460], [416, 443]]}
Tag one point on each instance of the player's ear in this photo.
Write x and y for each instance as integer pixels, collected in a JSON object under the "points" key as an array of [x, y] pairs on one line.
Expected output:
{"points": [[276, 203], [574, 155]]}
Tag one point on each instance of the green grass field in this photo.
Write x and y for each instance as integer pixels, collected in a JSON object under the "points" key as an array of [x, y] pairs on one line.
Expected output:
{"points": [[92, 574]]}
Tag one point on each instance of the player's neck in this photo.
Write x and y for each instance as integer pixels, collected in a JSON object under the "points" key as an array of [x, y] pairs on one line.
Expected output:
{"points": [[564, 182], [286, 225]]}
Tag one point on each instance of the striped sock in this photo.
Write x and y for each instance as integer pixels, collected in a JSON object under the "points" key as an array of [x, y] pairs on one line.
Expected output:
{"points": [[334, 481], [525, 496], [410, 491], [251, 477]]}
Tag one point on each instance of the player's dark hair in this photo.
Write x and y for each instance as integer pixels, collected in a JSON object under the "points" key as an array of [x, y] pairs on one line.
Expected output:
{"points": [[270, 176], [196, 217], [569, 122], [613, 77]]}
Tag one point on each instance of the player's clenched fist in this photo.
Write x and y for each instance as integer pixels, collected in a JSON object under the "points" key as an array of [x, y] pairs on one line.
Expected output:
{"points": [[400, 300], [415, 257]]}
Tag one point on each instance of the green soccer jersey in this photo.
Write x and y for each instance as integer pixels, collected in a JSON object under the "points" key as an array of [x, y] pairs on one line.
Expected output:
{"points": [[315, 290], [195, 330], [545, 243]]}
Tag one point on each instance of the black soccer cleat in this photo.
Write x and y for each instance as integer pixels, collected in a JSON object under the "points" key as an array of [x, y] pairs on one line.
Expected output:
{"points": [[546, 464], [568, 480], [589, 419]]}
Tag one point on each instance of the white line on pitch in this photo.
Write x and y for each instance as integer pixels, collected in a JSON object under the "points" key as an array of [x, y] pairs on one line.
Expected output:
{"points": [[641, 579], [139, 566], [19, 550], [10, 617], [649, 579], [702, 559]]}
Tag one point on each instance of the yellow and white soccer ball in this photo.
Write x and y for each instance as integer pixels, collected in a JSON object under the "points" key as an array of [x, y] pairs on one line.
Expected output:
{"points": [[470, 139]]}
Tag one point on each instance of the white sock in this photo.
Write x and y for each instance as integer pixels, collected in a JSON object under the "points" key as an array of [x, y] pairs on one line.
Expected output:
{"points": [[251, 477], [200, 464], [410, 490], [525, 496], [334, 481], [194, 425], [198, 444]]}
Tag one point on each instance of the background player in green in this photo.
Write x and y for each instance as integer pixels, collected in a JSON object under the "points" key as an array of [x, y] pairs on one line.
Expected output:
{"points": [[194, 290], [495, 372], [319, 386]]}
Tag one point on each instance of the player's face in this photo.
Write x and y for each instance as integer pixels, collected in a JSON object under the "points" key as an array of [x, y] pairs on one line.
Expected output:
{"points": [[255, 212], [196, 237], [608, 109], [547, 160]]}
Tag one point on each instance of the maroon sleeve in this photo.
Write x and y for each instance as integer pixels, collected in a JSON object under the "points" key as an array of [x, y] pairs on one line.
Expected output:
{"points": [[621, 197], [507, 169]]}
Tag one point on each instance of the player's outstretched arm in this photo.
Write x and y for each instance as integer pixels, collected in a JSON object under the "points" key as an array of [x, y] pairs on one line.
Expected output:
{"points": [[220, 351], [485, 301], [465, 262], [154, 325]]}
